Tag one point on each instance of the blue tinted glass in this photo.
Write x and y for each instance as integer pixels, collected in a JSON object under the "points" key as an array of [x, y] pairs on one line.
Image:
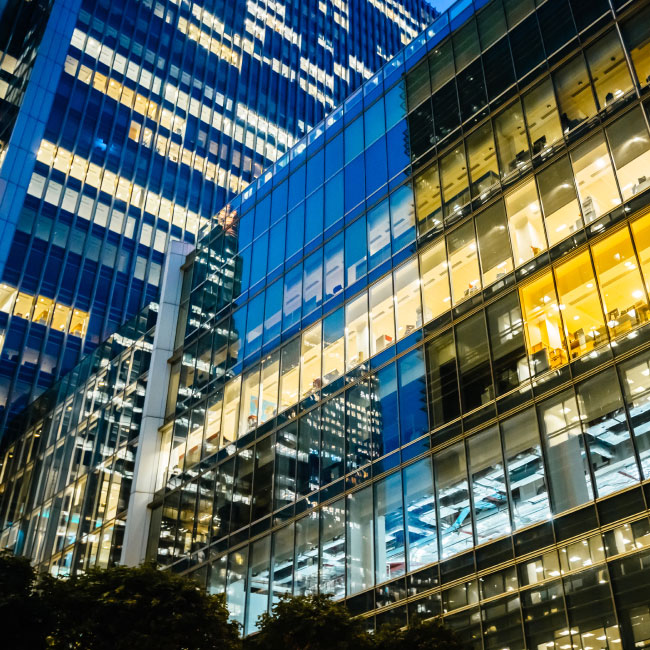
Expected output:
{"points": [[397, 143], [355, 190], [245, 269], [402, 216], [292, 297], [378, 234], [414, 420], [385, 422], [313, 281], [296, 187], [273, 311], [355, 251], [236, 349], [315, 170], [258, 262], [353, 139], [334, 155], [262, 215], [395, 101], [295, 226], [376, 166], [334, 199], [314, 215], [254, 326], [334, 266], [276, 244], [279, 202], [373, 122], [245, 230]]}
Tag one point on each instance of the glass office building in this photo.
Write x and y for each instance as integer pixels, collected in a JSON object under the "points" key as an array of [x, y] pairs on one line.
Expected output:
{"points": [[411, 361], [128, 124]]}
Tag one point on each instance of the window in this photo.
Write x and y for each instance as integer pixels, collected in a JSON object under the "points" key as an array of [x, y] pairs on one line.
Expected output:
{"points": [[310, 361], [559, 201], [258, 583], [382, 316], [360, 546], [7, 295], [507, 345], [248, 417], [473, 362], [442, 379], [282, 569], [637, 39], [455, 190], [284, 491], [42, 310], [465, 278], [641, 235], [455, 522], [434, 281], [411, 374], [60, 317], [543, 119], [356, 327], [621, 288], [378, 234], [213, 423], [269, 387], [603, 419], [512, 143], [490, 496], [407, 298], [630, 145], [575, 99], [385, 410], [493, 244], [525, 469], [332, 549], [305, 580], [23, 306], [608, 69], [333, 346], [483, 167], [231, 410], [542, 325], [389, 528], [289, 374], [420, 511], [355, 251], [580, 306], [525, 223], [441, 65], [567, 466], [428, 202]]}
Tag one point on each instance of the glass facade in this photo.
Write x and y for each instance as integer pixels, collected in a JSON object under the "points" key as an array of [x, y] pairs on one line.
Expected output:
{"points": [[411, 362], [136, 132]]}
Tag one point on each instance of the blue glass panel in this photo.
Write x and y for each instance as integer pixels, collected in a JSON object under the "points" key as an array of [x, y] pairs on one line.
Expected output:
{"points": [[314, 215], [355, 251], [313, 282], [295, 229], [397, 142], [353, 140], [355, 190], [376, 166], [395, 102], [262, 215], [244, 269], [273, 311], [245, 230], [334, 266], [296, 187], [292, 297], [402, 216], [374, 122], [315, 170], [258, 262], [255, 324], [334, 200], [277, 238], [334, 155], [378, 234], [385, 421], [414, 420], [236, 349], [279, 202]]}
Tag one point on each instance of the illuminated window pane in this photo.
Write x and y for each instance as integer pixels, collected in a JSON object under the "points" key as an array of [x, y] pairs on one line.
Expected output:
{"points": [[463, 262], [483, 166], [542, 324], [60, 318], [356, 329], [231, 410], [43, 310], [78, 323], [249, 401], [382, 316], [455, 189], [333, 346], [289, 374], [428, 201], [637, 40], [310, 361], [360, 546], [7, 295], [575, 98], [213, 423], [595, 178], [493, 244], [332, 549], [269, 387], [390, 560], [23, 306], [420, 510], [559, 201], [542, 117], [630, 144], [579, 304], [525, 223], [407, 299], [621, 287], [435, 281]]}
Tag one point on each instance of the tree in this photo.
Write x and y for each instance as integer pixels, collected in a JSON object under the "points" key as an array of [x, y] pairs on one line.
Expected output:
{"points": [[420, 635], [309, 623]]}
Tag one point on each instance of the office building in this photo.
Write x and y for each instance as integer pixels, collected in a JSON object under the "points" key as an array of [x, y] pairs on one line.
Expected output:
{"points": [[135, 132], [421, 383]]}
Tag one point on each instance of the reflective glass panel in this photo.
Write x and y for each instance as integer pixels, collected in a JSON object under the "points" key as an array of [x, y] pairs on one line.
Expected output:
{"points": [[542, 117], [637, 39], [360, 541], [493, 244], [258, 582], [390, 559], [356, 331], [463, 262], [420, 509], [574, 95], [473, 362], [269, 387], [333, 346], [382, 315], [249, 401], [434, 281], [305, 581], [310, 361], [455, 189], [428, 200], [282, 567], [289, 374], [525, 223], [408, 309], [442, 379], [512, 143], [231, 410], [332, 549]]}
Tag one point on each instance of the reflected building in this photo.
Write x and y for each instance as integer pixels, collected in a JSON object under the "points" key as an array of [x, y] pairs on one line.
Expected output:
{"points": [[129, 125], [424, 387]]}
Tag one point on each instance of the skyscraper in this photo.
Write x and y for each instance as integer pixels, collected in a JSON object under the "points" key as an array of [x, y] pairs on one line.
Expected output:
{"points": [[128, 124]]}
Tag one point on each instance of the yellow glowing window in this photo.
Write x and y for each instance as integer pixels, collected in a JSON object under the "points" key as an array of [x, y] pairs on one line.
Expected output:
{"points": [[63, 160], [109, 181], [94, 174], [85, 74], [641, 234], [140, 104], [231, 410], [45, 152], [79, 168], [134, 131], [310, 360], [123, 189], [60, 318], [100, 82], [43, 310], [114, 90], [23, 306], [78, 323], [7, 295]]}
